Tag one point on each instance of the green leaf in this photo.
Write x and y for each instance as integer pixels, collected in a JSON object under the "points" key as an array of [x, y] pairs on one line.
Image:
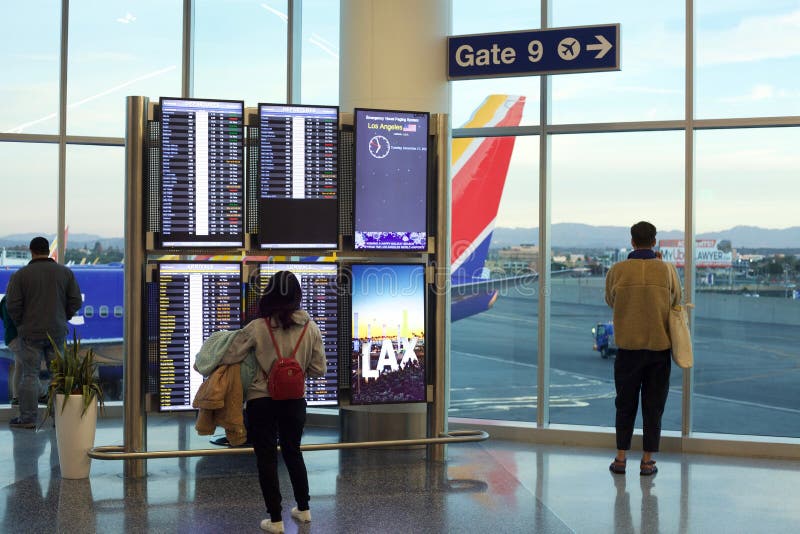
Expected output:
{"points": [[73, 372]]}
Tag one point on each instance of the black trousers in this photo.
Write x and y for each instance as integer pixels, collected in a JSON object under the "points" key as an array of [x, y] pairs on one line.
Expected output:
{"points": [[646, 371], [268, 422]]}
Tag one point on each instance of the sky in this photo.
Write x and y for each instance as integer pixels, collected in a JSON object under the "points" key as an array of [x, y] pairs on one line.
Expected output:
{"points": [[748, 62], [381, 295]]}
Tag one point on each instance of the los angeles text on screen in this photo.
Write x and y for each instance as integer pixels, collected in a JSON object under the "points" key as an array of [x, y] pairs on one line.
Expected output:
{"points": [[391, 180]]}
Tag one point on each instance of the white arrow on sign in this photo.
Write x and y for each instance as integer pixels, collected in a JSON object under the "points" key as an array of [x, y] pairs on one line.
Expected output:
{"points": [[602, 44]]}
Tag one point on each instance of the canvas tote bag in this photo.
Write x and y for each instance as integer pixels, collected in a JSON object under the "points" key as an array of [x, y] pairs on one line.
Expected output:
{"points": [[679, 336]]}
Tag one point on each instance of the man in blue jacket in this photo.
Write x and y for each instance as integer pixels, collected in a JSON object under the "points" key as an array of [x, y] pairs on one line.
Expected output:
{"points": [[41, 298]]}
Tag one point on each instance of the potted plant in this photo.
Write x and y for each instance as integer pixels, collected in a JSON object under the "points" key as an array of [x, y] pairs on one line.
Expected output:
{"points": [[72, 399]]}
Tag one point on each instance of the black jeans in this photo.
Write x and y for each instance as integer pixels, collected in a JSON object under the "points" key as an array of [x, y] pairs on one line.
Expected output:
{"points": [[648, 371], [268, 421]]}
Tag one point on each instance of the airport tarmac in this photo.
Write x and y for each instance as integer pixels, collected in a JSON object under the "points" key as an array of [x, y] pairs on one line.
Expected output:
{"points": [[746, 375]]}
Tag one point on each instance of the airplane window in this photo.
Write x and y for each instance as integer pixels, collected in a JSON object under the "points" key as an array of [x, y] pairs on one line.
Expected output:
{"points": [[117, 311], [88, 311], [103, 311]]}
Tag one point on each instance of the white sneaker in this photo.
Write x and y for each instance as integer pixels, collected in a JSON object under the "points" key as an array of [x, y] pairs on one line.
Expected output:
{"points": [[269, 526], [301, 515]]}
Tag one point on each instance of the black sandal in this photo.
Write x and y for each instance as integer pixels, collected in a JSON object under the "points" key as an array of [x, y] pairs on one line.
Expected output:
{"points": [[618, 466], [647, 469]]}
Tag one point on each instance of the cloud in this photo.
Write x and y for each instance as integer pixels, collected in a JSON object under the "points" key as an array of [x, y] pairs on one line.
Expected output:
{"points": [[580, 87], [102, 56], [752, 39], [36, 57], [747, 163], [127, 19], [760, 92]]}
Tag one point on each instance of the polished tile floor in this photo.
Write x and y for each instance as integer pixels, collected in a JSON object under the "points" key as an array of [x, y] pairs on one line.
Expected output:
{"points": [[494, 486]]}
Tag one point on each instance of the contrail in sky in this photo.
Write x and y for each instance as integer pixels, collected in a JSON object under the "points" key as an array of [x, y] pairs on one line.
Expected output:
{"points": [[114, 89], [315, 39]]}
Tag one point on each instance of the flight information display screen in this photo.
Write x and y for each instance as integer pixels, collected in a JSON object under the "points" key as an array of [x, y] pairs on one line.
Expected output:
{"points": [[202, 173], [298, 176], [391, 179], [194, 301], [388, 358], [320, 299]]}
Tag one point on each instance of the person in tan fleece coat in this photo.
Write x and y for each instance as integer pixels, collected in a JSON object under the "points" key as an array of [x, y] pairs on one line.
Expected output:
{"points": [[641, 290]]}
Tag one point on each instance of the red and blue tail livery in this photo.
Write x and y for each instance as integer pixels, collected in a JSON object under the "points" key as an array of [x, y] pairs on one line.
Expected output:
{"points": [[479, 168]]}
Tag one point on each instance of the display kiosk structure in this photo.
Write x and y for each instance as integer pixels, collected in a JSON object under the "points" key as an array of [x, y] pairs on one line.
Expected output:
{"points": [[414, 340]]}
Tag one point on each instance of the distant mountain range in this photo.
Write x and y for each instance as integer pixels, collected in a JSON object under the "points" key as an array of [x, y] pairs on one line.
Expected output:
{"points": [[575, 235], [73, 240], [563, 235]]}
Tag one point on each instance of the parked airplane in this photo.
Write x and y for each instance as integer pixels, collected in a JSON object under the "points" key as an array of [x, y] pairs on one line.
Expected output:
{"points": [[479, 168], [99, 321]]}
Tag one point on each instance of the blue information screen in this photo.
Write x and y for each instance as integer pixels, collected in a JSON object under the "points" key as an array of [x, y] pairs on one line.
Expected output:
{"points": [[391, 180]]}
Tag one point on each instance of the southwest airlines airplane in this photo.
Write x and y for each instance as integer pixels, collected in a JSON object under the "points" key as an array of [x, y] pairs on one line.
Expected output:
{"points": [[479, 167]]}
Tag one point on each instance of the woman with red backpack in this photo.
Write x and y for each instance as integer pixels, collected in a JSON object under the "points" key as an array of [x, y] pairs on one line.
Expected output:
{"points": [[288, 347]]}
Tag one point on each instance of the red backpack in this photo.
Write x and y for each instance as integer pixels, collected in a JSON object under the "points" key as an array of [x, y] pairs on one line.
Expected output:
{"points": [[286, 379]]}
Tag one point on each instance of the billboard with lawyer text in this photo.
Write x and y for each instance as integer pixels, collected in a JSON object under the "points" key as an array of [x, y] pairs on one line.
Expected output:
{"points": [[706, 253]]}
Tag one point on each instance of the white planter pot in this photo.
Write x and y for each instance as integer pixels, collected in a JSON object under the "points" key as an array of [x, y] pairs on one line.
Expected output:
{"points": [[74, 435]]}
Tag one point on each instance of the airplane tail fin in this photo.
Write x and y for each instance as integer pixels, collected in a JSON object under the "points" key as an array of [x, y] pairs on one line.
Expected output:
{"points": [[54, 245], [479, 168]]}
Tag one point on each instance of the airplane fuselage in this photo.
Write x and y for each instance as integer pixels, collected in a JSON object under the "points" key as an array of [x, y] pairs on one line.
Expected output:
{"points": [[99, 320]]}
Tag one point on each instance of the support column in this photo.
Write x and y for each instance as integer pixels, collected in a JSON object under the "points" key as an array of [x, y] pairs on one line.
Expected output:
{"points": [[135, 418], [393, 55]]}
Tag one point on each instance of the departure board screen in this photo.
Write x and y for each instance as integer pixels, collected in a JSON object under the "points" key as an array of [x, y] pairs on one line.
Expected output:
{"points": [[195, 300], [202, 173], [388, 359], [391, 179], [319, 284], [298, 176]]}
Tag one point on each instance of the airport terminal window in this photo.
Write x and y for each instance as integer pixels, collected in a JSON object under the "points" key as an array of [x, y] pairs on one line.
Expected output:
{"points": [[117, 49], [619, 179], [748, 281], [28, 171], [493, 348], [103, 311], [240, 50], [650, 84], [95, 203], [320, 55], [469, 16], [29, 63], [748, 59]]}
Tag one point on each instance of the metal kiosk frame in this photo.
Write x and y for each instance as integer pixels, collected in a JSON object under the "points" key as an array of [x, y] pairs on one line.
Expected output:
{"points": [[139, 111]]}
